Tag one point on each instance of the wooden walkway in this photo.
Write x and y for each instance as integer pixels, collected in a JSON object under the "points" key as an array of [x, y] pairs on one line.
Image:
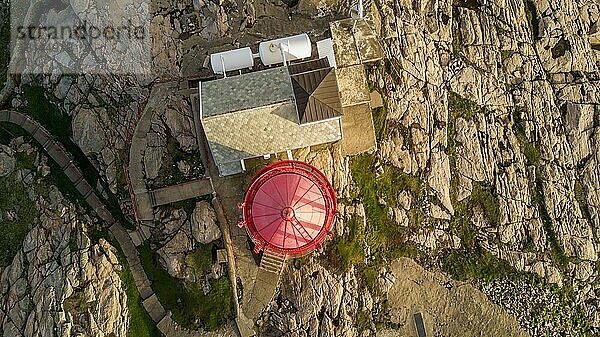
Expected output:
{"points": [[180, 192], [56, 151]]}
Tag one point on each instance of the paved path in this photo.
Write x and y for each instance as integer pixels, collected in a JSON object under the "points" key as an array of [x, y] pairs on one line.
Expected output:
{"points": [[180, 192], [65, 161], [138, 147]]}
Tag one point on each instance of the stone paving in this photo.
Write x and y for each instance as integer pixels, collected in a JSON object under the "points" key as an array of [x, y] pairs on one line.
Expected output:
{"points": [[359, 131], [354, 42]]}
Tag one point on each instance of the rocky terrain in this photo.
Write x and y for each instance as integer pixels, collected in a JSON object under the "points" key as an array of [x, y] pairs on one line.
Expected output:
{"points": [[60, 282], [492, 109], [179, 234], [489, 135]]}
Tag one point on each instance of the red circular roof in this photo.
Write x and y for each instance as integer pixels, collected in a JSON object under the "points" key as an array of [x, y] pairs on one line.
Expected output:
{"points": [[289, 208]]}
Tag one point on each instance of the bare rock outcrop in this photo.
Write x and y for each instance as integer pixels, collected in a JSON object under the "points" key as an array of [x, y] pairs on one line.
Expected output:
{"points": [[179, 234], [7, 161], [311, 291], [61, 282], [204, 225]]}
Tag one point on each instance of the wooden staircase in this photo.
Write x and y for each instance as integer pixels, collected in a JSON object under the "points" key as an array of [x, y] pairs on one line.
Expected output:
{"points": [[272, 262]]}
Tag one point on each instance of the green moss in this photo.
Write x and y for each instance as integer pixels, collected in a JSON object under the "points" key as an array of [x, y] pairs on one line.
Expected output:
{"points": [[459, 106], [379, 114], [505, 54], [140, 322], [378, 193], [347, 250], [200, 260], [14, 197], [471, 261], [476, 263], [25, 160], [380, 121], [533, 157], [186, 300], [363, 321], [582, 201], [485, 197], [456, 39], [78, 303]]}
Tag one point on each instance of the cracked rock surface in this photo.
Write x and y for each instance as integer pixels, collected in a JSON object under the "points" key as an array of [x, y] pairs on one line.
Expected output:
{"points": [[61, 282], [496, 96]]}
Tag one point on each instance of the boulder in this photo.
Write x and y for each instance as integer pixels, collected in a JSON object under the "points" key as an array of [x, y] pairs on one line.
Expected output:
{"points": [[7, 161], [204, 223]]}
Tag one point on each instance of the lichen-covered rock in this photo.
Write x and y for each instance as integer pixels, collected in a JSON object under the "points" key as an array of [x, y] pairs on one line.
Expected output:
{"points": [[60, 283]]}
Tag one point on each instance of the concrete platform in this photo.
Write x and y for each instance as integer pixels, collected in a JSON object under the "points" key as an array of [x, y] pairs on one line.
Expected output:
{"points": [[352, 82], [358, 130], [354, 42]]}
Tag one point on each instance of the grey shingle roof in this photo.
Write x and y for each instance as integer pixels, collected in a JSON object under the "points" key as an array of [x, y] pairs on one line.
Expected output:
{"points": [[246, 91], [265, 130]]}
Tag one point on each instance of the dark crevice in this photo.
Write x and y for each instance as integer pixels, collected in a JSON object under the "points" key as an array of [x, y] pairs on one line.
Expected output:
{"points": [[560, 48], [533, 18]]}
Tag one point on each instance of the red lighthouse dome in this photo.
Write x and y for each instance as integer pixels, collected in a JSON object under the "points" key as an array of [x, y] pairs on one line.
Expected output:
{"points": [[289, 208]]}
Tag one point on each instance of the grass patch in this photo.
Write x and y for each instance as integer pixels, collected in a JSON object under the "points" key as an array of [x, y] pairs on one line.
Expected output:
{"points": [[347, 250], [140, 322], [190, 307], [200, 260], [14, 197], [378, 193], [385, 238]]}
